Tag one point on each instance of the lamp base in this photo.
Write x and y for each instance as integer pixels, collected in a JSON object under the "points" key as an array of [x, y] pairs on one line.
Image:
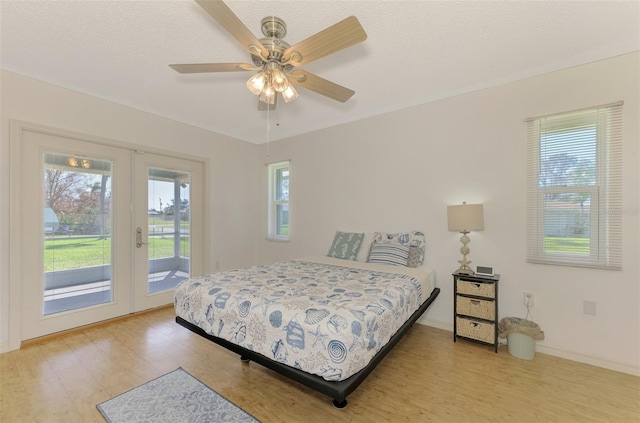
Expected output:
{"points": [[464, 268]]}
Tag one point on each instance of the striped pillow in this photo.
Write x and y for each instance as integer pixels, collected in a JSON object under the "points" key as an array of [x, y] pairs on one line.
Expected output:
{"points": [[389, 253], [412, 239]]}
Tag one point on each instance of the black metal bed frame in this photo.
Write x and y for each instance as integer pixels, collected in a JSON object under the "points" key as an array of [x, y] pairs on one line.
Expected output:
{"points": [[338, 390]]}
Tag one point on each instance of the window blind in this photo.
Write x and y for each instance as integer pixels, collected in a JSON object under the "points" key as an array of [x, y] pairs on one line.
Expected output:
{"points": [[574, 188]]}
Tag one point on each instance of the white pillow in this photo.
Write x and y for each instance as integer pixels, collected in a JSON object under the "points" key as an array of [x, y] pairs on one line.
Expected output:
{"points": [[363, 252]]}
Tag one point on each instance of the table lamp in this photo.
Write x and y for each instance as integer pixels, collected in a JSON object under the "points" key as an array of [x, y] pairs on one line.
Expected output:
{"points": [[465, 218]]}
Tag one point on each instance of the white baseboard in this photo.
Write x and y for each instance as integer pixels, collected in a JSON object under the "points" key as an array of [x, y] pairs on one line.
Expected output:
{"points": [[556, 352], [587, 359], [436, 324]]}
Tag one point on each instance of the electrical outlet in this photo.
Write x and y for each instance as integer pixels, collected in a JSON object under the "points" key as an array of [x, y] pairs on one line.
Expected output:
{"points": [[589, 307], [528, 299]]}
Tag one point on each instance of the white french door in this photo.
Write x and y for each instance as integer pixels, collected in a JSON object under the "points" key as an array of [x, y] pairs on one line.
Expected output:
{"points": [[168, 226], [94, 244]]}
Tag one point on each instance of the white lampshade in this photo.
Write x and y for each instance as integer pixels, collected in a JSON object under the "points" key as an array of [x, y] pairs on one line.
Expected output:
{"points": [[465, 217]]}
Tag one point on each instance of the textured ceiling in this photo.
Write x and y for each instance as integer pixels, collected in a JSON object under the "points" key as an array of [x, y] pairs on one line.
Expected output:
{"points": [[416, 52]]}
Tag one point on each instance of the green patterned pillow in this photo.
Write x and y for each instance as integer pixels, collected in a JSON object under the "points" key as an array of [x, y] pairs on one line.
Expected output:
{"points": [[346, 245]]}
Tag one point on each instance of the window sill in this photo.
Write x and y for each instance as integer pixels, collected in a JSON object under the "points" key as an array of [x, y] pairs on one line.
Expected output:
{"points": [[585, 264], [278, 239]]}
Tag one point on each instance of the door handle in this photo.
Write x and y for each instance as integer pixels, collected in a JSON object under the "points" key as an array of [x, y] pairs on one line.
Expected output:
{"points": [[139, 242]]}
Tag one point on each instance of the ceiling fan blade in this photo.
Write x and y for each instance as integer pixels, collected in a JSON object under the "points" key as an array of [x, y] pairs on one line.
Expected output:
{"points": [[313, 82], [334, 38], [225, 17], [262, 106], [211, 67]]}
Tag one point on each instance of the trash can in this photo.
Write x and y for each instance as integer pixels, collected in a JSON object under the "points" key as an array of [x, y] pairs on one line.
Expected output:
{"points": [[521, 336]]}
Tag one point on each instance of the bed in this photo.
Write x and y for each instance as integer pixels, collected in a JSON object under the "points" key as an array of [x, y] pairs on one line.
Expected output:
{"points": [[325, 322]]}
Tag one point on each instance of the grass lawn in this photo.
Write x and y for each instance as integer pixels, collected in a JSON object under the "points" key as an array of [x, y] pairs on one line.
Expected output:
{"points": [[567, 245], [166, 222], [73, 253]]}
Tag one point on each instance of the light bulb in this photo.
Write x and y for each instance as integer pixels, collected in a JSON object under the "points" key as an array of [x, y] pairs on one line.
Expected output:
{"points": [[279, 80], [289, 94], [72, 161], [256, 83], [268, 95]]}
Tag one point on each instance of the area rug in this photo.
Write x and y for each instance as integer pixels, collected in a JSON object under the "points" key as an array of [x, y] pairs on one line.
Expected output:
{"points": [[174, 397]]}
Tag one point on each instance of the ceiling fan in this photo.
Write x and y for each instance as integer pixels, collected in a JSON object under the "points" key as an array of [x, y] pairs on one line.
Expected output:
{"points": [[275, 61]]}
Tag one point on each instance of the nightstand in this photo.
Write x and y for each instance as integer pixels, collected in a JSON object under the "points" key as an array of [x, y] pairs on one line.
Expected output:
{"points": [[475, 308]]}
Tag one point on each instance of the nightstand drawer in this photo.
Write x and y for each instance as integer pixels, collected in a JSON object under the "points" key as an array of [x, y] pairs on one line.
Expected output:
{"points": [[476, 288], [475, 329], [482, 309]]}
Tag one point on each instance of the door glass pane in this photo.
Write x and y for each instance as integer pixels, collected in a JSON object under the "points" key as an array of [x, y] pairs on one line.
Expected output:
{"points": [[168, 229], [77, 232]]}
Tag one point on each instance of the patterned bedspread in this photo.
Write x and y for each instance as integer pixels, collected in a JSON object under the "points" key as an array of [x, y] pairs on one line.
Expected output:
{"points": [[325, 316]]}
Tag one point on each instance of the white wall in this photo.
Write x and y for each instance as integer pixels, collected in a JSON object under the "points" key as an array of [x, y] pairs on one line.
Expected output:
{"points": [[400, 170], [231, 211], [396, 172]]}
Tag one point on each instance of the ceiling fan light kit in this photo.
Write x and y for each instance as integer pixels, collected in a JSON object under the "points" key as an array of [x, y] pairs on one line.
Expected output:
{"points": [[275, 60], [269, 81]]}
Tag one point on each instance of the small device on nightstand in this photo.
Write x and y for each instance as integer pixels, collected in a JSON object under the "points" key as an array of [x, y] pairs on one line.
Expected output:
{"points": [[484, 271]]}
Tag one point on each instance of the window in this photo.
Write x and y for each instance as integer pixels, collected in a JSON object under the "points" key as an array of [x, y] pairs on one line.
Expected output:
{"points": [[574, 194], [279, 201]]}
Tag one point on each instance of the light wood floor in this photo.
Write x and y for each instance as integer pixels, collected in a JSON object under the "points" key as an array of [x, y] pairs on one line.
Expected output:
{"points": [[425, 378]]}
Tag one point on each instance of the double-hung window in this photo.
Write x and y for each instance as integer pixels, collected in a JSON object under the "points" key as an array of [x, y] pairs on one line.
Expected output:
{"points": [[278, 227], [574, 195]]}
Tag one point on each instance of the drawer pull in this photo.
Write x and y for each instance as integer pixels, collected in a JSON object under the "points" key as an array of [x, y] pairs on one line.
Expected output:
{"points": [[477, 285], [475, 302]]}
